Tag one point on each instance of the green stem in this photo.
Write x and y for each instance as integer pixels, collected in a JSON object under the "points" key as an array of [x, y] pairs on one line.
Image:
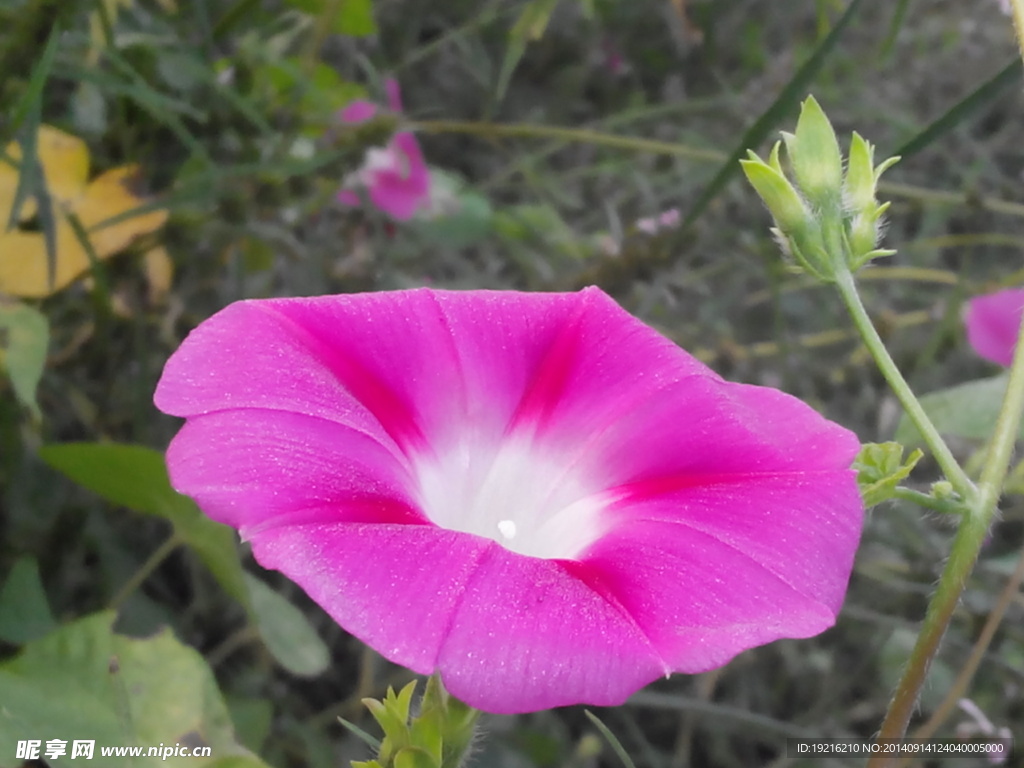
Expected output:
{"points": [[942, 506], [579, 135], [152, 563], [974, 525], [638, 144], [950, 467]]}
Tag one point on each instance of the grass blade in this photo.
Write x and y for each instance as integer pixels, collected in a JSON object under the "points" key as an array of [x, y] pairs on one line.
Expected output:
{"points": [[531, 25], [616, 746], [360, 734], [965, 108], [786, 100], [31, 99]]}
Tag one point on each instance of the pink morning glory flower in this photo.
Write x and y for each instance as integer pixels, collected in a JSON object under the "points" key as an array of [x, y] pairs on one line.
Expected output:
{"points": [[396, 176], [534, 493], [993, 322]]}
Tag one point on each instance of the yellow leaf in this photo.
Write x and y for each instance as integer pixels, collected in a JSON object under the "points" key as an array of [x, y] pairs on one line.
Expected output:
{"points": [[159, 272], [112, 194], [24, 269], [65, 161]]}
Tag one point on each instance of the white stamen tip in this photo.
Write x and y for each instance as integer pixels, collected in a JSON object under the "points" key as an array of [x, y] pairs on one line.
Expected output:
{"points": [[507, 528]]}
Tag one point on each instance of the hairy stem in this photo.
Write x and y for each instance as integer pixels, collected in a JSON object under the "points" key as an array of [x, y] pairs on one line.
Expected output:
{"points": [[979, 513], [950, 467]]}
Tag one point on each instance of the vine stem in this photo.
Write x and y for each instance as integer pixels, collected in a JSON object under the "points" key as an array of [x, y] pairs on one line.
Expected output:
{"points": [[950, 467], [963, 679], [979, 510]]}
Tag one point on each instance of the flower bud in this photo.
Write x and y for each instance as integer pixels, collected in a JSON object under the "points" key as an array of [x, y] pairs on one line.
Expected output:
{"points": [[828, 221], [815, 156]]}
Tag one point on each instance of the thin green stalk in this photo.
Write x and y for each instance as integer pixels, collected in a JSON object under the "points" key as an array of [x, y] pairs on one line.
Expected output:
{"points": [[950, 467], [974, 526], [942, 506], [963, 679], [146, 569], [638, 144], [580, 135]]}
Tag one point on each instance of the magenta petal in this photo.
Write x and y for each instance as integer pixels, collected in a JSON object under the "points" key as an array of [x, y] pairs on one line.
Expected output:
{"points": [[358, 111], [529, 634], [712, 569], [253, 354], [401, 190], [993, 322], [536, 494], [701, 428], [251, 468], [395, 587], [508, 633], [394, 94], [348, 197]]}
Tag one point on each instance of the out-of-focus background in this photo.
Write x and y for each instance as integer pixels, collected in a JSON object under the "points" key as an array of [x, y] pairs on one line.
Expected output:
{"points": [[570, 143]]}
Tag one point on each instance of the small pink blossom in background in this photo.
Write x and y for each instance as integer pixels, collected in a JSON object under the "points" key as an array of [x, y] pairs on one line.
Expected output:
{"points": [[396, 176], [535, 494], [993, 322], [611, 58], [666, 220]]}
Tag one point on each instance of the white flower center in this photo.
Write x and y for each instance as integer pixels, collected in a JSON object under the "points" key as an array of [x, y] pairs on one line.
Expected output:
{"points": [[520, 496]]}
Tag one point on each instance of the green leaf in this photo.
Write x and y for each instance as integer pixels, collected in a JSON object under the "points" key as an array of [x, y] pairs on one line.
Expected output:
{"points": [[880, 468], [135, 477], [83, 682], [352, 17], [253, 718], [968, 410], [24, 337], [355, 18], [287, 632], [459, 215], [24, 610]]}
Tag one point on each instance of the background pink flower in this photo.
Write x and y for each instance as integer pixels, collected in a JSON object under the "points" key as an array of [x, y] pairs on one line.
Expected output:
{"points": [[993, 322], [535, 494], [396, 177]]}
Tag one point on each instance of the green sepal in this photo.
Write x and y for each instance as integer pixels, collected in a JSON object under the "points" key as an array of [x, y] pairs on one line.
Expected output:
{"points": [[859, 184], [815, 156], [438, 736], [880, 467], [783, 201], [415, 757], [392, 714]]}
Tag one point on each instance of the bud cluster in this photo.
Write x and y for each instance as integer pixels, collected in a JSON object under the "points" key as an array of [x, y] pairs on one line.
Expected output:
{"points": [[828, 221], [438, 736]]}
